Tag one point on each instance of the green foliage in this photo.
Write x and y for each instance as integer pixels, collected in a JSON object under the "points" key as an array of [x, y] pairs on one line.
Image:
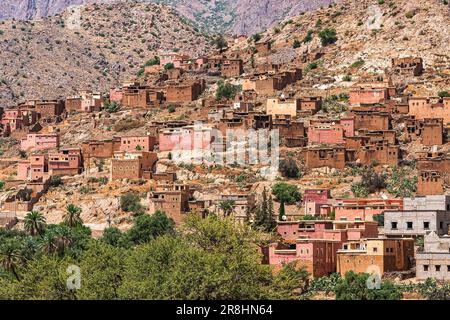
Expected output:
{"points": [[169, 66], [359, 190], [296, 44], [131, 202], [326, 284], [401, 182], [354, 287], [171, 108], [281, 211], [308, 37], [153, 62], [226, 90], [328, 36], [370, 182], [289, 168], [55, 181], [264, 219], [431, 290], [34, 223], [220, 43], [147, 227], [256, 37], [286, 192], [358, 63], [443, 94], [227, 206], [2, 185], [379, 218], [347, 77], [311, 66], [111, 236], [111, 107], [72, 217]]}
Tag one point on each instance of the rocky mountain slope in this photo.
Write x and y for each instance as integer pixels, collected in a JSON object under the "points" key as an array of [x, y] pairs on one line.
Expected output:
{"points": [[93, 48], [240, 17], [370, 33]]}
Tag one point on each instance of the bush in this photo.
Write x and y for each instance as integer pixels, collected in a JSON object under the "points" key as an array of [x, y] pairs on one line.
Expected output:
{"points": [[256, 37], [289, 168], [286, 192], [153, 62], [111, 107], [296, 44], [55, 181], [402, 183], [443, 94], [126, 124], [347, 77], [354, 287], [308, 37], [169, 66], [328, 36], [358, 63], [131, 202], [2, 185], [171, 108], [226, 90]]}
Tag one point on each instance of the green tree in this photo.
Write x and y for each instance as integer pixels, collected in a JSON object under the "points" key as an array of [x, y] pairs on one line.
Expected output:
{"points": [[287, 192], [443, 94], [111, 236], [131, 202], [146, 227], [11, 256], [227, 206], [102, 268], [226, 90], [354, 287], [220, 43], [72, 217], [281, 211], [169, 66], [264, 214], [328, 36], [289, 168], [296, 44], [34, 223], [308, 37]]}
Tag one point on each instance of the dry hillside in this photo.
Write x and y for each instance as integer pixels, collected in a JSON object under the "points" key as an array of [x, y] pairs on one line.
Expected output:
{"points": [[57, 56]]}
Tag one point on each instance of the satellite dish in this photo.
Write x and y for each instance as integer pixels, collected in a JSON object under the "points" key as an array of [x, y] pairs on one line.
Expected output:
{"points": [[284, 218]]}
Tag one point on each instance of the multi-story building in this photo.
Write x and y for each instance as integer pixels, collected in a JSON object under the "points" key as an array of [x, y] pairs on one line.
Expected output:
{"points": [[434, 260]]}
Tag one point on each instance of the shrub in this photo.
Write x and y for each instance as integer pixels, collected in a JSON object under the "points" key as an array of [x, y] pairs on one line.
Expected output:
{"points": [[256, 37], [169, 66], [55, 181], [443, 94], [358, 63], [2, 185], [401, 184], [171, 108], [308, 37], [296, 44], [131, 202], [347, 77], [328, 36], [226, 90], [286, 192], [111, 107], [289, 168]]}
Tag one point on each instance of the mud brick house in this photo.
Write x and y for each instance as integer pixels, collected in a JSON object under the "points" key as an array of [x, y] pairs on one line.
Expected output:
{"points": [[318, 157], [137, 143], [39, 141], [408, 66], [364, 209], [232, 68], [428, 131], [330, 131], [101, 149], [138, 96], [242, 203], [174, 73], [374, 137], [18, 119], [174, 201], [73, 104], [116, 95], [381, 153], [277, 106], [186, 138], [187, 91], [371, 120], [49, 110], [35, 168], [310, 105], [414, 223], [387, 255], [363, 95], [66, 162], [434, 260], [315, 199], [290, 129], [440, 164], [86, 101], [133, 165], [263, 47], [430, 183], [172, 57], [314, 243], [432, 107], [268, 68], [22, 201]]}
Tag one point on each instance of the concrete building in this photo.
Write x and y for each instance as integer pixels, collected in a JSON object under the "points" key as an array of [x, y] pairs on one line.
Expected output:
{"points": [[414, 223], [431, 202], [434, 260]]}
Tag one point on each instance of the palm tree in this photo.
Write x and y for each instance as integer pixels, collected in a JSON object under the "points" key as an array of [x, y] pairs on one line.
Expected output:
{"points": [[227, 206], [11, 257], [34, 223], [57, 240], [72, 217]]}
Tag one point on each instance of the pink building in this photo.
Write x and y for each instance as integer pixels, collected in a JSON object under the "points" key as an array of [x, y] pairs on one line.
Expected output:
{"points": [[314, 243], [331, 134], [17, 119], [187, 138], [115, 95], [359, 96], [364, 209], [314, 199], [39, 141], [66, 162], [34, 168], [137, 143]]}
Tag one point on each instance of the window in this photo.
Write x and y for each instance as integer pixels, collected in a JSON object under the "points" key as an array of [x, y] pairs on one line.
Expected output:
{"points": [[426, 225], [393, 225], [438, 268], [425, 267], [409, 225], [375, 249], [448, 268], [441, 225]]}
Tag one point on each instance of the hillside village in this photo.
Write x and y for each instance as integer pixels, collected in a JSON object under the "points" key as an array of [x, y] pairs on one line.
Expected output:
{"points": [[362, 119]]}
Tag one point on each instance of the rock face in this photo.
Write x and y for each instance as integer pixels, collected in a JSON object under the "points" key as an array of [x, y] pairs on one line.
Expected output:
{"points": [[240, 17]]}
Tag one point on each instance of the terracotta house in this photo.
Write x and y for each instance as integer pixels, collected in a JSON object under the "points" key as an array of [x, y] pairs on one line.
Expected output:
{"points": [[39, 141]]}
